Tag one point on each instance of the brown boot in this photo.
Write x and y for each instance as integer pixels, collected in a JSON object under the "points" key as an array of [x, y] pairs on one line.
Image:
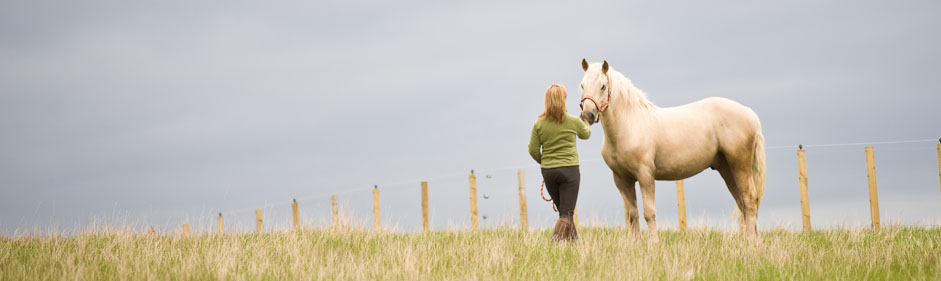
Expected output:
{"points": [[558, 234], [564, 231], [570, 233], [573, 232]]}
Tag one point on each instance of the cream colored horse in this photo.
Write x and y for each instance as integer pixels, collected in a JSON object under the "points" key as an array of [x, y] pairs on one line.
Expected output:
{"points": [[643, 143]]}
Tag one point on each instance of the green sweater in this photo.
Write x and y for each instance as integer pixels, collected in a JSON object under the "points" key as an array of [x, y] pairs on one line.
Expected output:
{"points": [[557, 141]]}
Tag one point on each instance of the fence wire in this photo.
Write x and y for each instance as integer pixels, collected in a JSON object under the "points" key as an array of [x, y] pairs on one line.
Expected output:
{"points": [[492, 189]]}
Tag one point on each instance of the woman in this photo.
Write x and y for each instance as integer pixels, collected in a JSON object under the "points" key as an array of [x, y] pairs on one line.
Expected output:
{"points": [[555, 132]]}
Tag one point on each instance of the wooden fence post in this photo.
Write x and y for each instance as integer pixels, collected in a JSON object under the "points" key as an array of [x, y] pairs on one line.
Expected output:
{"points": [[939, 162], [334, 213], [186, 229], [221, 224], [258, 220], [524, 216], [805, 197], [424, 205], [681, 203], [296, 215], [873, 195], [473, 199], [375, 207]]}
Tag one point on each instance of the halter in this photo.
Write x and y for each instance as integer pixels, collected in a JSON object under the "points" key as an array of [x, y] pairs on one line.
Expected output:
{"points": [[602, 107]]}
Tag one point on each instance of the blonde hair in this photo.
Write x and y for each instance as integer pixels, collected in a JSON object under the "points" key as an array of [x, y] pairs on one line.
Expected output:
{"points": [[555, 103]]}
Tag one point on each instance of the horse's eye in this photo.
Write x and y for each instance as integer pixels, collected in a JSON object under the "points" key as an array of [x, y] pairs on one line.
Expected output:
{"points": [[583, 86], [602, 87]]}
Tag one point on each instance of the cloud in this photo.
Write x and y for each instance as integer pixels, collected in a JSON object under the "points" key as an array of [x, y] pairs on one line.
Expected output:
{"points": [[164, 106]]}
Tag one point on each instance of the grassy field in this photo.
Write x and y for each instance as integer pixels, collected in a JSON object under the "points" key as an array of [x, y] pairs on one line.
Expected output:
{"points": [[895, 253]]}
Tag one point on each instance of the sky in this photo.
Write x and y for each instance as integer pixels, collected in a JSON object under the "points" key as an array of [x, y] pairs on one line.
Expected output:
{"points": [[158, 113]]}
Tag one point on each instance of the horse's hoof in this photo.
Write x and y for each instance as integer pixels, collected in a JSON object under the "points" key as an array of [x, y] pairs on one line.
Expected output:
{"points": [[633, 235], [754, 239]]}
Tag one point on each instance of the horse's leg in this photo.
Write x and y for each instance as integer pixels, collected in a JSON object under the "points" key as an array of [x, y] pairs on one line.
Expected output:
{"points": [[742, 172], [646, 179], [629, 194], [726, 172]]}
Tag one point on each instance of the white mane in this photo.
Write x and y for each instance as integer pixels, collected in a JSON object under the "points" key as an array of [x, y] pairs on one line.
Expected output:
{"points": [[624, 88]]}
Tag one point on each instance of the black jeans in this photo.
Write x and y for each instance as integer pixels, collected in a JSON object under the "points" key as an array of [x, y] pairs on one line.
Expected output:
{"points": [[562, 184]]}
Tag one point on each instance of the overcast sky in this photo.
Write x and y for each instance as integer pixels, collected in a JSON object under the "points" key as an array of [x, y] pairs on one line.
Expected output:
{"points": [[170, 112]]}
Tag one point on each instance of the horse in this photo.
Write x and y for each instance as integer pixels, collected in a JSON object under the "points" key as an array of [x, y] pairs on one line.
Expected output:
{"points": [[643, 143]]}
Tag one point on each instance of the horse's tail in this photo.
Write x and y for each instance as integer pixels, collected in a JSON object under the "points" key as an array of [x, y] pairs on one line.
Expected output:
{"points": [[758, 168], [758, 176]]}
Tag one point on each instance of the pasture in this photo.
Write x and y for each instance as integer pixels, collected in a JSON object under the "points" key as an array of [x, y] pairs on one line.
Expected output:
{"points": [[508, 253]]}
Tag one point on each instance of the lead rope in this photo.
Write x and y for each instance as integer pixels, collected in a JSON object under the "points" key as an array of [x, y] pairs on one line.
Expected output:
{"points": [[541, 186]]}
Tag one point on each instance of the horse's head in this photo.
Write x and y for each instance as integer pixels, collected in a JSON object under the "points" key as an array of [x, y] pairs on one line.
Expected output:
{"points": [[596, 91]]}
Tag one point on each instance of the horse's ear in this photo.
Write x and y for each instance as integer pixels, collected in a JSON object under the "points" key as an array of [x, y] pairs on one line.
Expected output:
{"points": [[604, 67], [584, 65]]}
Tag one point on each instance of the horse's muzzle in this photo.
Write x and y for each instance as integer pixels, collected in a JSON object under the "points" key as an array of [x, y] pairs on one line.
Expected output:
{"points": [[588, 117]]}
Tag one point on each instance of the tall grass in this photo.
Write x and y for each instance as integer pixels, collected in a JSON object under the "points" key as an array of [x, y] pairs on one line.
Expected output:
{"points": [[899, 253]]}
